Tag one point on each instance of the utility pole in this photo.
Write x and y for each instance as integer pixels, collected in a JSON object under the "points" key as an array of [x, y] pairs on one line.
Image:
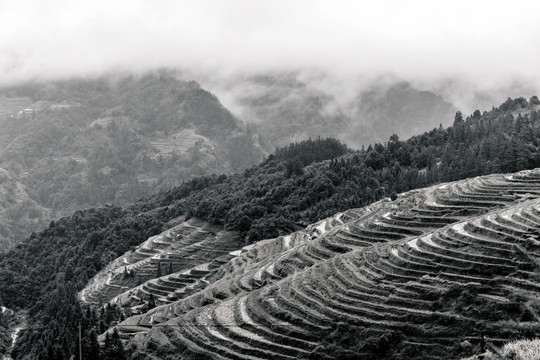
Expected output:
{"points": [[80, 342]]}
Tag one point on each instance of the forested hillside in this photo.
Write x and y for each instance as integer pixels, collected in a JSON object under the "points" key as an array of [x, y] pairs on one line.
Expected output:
{"points": [[85, 143], [297, 185]]}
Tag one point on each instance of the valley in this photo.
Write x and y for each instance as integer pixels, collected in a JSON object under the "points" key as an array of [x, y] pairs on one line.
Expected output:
{"points": [[11, 324]]}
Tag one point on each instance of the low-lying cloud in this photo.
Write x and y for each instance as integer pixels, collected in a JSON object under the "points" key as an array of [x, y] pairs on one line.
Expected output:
{"points": [[484, 42]]}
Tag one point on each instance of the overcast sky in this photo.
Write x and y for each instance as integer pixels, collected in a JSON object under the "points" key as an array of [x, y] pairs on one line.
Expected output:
{"points": [[485, 40]]}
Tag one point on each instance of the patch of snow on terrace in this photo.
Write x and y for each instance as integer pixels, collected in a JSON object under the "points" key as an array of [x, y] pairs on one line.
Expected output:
{"points": [[161, 240], [338, 217], [243, 313], [506, 215], [387, 215], [510, 177], [321, 227], [427, 240], [394, 251], [235, 252], [216, 333], [460, 228], [203, 266], [286, 241], [498, 298], [413, 244], [258, 274], [270, 269], [443, 187]]}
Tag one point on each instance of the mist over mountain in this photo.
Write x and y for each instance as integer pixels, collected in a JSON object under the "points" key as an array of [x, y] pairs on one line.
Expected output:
{"points": [[289, 107], [85, 142], [469, 95], [282, 108], [19, 213], [399, 109]]}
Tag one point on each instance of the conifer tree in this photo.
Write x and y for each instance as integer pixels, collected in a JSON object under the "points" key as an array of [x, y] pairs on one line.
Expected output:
{"points": [[113, 349], [93, 349]]}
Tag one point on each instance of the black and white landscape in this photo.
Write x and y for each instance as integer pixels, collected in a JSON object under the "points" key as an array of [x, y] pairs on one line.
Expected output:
{"points": [[269, 180]]}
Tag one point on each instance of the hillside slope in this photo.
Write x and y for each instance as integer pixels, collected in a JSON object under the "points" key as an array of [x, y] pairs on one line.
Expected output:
{"points": [[84, 143], [19, 214], [425, 272]]}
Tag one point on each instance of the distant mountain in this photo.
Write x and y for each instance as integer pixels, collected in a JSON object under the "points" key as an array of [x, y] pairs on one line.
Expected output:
{"points": [[284, 109], [398, 109], [469, 95], [82, 143]]}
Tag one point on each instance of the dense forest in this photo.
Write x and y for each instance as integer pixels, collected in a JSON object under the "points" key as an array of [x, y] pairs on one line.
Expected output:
{"points": [[298, 184]]}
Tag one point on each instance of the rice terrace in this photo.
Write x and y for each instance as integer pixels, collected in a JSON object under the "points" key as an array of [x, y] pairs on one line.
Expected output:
{"points": [[433, 270]]}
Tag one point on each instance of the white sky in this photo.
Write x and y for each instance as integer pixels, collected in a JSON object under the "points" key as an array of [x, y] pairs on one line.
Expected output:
{"points": [[484, 40]]}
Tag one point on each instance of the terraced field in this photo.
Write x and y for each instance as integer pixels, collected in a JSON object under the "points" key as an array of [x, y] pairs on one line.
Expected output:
{"points": [[438, 266], [189, 250]]}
